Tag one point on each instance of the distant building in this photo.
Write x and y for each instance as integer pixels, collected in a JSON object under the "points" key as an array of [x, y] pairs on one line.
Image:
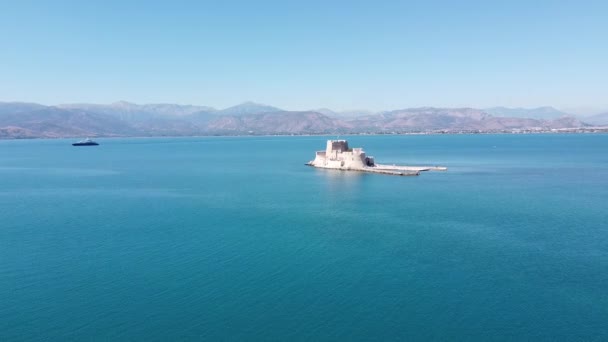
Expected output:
{"points": [[338, 155]]}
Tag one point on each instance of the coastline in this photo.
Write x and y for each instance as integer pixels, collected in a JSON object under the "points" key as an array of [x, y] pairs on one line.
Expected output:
{"points": [[579, 130]]}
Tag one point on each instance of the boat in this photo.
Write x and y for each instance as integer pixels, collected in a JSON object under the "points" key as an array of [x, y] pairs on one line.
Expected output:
{"points": [[85, 142]]}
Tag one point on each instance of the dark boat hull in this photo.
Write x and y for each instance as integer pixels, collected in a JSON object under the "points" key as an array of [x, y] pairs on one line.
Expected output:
{"points": [[85, 144]]}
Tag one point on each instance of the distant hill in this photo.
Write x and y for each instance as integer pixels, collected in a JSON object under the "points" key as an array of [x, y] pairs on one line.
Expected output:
{"points": [[454, 119], [345, 114], [544, 113], [282, 122], [150, 119], [247, 108], [18, 107], [131, 111], [29, 120], [598, 119], [54, 122]]}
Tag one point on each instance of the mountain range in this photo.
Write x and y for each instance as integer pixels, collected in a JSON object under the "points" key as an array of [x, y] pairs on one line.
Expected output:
{"points": [[543, 113], [600, 119], [31, 120]]}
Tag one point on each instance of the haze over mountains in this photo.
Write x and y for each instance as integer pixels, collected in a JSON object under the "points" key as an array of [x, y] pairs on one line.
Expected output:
{"points": [[31, 120], [544, 113], [598, 119]]}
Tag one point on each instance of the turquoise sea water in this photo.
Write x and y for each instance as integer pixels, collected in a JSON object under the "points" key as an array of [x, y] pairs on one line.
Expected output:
{"points": [[235, 239]]}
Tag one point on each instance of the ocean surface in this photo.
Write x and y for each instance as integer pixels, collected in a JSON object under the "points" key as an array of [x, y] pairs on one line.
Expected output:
{"points": [[234, 239]]}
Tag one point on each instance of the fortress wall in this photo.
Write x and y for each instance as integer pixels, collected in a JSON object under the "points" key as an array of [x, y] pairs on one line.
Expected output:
{"points": [[338, 155], [352, 159], [334, 164], [320, 158]]}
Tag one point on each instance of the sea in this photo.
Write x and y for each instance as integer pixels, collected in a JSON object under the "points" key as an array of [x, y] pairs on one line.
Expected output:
{"points": [[235, 239]]}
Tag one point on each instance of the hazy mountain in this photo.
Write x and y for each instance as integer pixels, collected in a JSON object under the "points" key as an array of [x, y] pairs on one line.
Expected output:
{"points": [[11, 132], [52, 122], [597, 119], [18, 107], [584, 111], [355, 113], [346, 114], [27, 120], [326, 111], [429, 118], [545, 113], [426, 118], [133, 112], [248, 108], [282, 122]]}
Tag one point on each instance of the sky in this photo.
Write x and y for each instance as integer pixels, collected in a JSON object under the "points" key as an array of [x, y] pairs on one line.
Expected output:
{"points": [[307, 54]]}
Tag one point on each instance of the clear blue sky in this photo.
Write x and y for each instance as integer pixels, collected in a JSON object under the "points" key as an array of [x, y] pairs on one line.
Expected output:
{"points": [[307, 54]]}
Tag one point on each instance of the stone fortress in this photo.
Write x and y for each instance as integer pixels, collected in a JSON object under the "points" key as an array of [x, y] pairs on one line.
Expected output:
{"points": [[339, 156]]}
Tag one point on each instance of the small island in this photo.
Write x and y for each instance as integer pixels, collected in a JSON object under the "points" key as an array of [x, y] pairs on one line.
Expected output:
{"points": [[339, 156]]}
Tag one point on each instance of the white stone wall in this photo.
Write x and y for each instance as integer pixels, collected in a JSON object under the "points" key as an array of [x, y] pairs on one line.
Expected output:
{"points": [[338, 155], [320, 159]]}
